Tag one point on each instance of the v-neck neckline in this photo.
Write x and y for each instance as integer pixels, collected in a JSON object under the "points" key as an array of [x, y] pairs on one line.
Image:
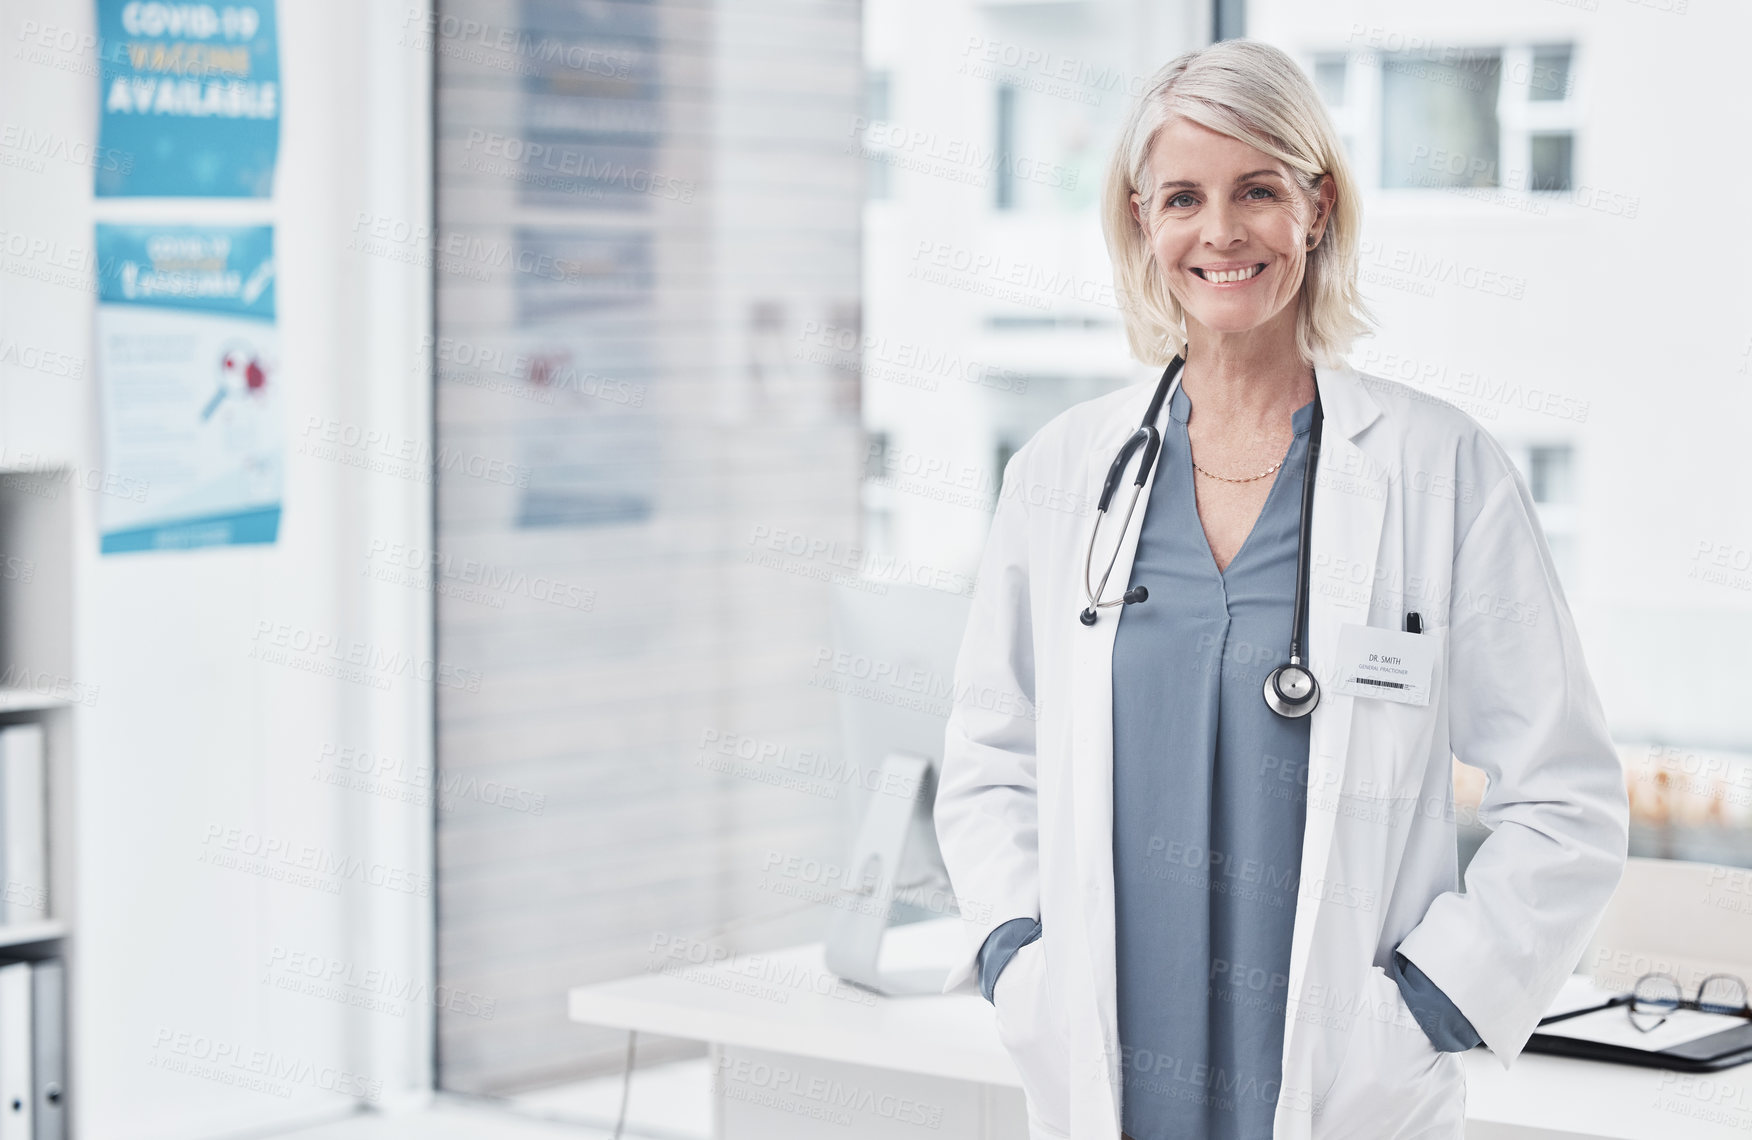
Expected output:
{"points": [[1182, 403]]}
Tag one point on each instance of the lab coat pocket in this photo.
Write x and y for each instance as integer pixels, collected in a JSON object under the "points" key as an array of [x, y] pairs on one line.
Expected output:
{"points": [[1031, 1034], [1392, 1083]]}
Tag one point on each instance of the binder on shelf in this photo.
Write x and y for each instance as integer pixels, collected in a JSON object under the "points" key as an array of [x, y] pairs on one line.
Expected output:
{"points": [[24, 848], [1593, 1025], [48, 1026], [17, 1097]]}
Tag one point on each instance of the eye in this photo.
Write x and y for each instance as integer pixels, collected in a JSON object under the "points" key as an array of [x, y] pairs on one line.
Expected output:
{"points": [[1176, 198], [1268, 192]]}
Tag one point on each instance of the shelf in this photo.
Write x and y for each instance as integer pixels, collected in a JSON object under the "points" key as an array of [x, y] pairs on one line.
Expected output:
{"points": [[28, 700], [24, 933]]}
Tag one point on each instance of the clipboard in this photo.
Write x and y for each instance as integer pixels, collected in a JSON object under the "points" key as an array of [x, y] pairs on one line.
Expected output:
{"points": [[1722, 1049]]}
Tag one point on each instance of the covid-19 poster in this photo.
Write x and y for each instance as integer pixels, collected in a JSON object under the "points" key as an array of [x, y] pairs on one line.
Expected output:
{"points": [[189, 382], [190, 95]]}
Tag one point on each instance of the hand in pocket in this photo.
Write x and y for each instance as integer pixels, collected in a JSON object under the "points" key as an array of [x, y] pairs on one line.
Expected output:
{"points": [[1027, 1028], [1393, 1081]]}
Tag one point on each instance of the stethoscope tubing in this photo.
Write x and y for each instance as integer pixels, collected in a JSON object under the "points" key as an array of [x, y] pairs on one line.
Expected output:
{"points": [[1304, 691], [1303, 534], [1150, 439]]}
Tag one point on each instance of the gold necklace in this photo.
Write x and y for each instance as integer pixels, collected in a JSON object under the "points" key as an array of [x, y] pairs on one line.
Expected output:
{"points": [[1249, 479], [1225, 478]]}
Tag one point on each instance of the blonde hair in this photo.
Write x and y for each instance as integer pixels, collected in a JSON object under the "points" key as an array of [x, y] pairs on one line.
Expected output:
{"points": [[1255, 93]]}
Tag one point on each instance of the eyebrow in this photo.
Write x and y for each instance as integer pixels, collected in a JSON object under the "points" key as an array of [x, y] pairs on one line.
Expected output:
{"points": [[1241, 178]]}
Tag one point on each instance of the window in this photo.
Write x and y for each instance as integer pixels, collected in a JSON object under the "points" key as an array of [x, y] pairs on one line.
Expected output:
{"points": [[1539, 114], [1006, 448], [1439, 119], [1549, 82], [1005, 182], [879, 183], [1550, 471], [1550, 167], [876, 456], [1456, 118], [1329, 79], [1333, 81]]}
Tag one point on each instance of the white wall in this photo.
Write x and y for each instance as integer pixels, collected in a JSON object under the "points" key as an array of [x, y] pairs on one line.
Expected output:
{"points": [[188, 732]]}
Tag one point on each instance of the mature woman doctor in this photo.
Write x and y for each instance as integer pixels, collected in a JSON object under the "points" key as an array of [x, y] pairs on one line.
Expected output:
{"points": [[1198, 808]]}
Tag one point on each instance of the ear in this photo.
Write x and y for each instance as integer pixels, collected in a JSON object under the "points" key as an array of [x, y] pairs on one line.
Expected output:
{"points": [[1136, 208], [1328, 197]]}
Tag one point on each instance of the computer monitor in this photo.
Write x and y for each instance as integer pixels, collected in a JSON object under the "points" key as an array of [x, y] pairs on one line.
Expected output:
{"points": [[895, 648]]}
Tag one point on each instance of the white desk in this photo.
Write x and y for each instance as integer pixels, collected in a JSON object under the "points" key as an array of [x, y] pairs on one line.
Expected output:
{"points": [[794, 1047], [1557, 1098]]}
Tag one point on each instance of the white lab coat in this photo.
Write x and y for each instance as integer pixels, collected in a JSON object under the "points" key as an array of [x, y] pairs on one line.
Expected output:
{"points": [[1416, 508]]}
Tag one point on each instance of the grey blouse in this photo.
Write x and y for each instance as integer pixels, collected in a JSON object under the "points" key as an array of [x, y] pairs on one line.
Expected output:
{"points": [[1209, 801]]}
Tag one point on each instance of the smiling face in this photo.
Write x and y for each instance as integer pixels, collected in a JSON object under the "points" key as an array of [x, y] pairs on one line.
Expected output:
{"points": [[1228, 228]]}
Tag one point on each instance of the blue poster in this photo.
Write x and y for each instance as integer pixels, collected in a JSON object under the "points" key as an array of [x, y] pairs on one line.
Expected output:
{"points": [[191, 94], [192, 407]]}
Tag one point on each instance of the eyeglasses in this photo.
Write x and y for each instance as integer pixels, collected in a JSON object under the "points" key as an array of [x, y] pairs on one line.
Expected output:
{"points": [[1658, 995]]}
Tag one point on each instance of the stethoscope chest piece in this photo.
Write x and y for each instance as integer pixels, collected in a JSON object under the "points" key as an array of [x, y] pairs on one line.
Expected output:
{"points": [[1291, 690]]}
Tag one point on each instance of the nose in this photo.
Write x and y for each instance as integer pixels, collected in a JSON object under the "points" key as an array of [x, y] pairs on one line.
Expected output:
{"points": [[1222, 224]]}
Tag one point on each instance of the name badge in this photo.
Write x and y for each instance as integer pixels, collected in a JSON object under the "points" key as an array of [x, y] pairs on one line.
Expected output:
{"points": [[1385, 664]]}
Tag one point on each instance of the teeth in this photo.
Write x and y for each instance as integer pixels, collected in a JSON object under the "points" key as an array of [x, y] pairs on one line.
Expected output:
{"points": [[1229, 275]]}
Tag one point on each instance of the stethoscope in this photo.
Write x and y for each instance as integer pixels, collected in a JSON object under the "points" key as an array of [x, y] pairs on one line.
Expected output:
{"points": [[1290, 690]]}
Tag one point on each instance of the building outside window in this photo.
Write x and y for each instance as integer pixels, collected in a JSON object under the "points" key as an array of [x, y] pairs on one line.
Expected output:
{"points": [[1450, 117]]}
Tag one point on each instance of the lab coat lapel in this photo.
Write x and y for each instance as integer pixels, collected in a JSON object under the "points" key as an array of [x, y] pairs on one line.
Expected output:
{"points": [[1092, 717], [1350, 503]]}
